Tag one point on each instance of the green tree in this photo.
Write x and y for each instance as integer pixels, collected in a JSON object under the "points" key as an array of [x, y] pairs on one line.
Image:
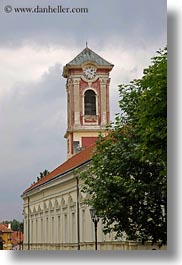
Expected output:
{"points": [[43, 174], [127, 179], [15, 224]]}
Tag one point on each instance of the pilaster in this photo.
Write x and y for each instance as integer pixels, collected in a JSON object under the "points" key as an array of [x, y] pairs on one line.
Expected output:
{"points": [[103, 95], [76, 103]]}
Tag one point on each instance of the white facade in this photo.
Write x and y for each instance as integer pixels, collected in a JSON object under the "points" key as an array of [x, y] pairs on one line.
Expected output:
{"points": [[51, 217]]}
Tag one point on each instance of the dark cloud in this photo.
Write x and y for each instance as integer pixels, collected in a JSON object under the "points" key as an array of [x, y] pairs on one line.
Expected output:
{"points": [[128, 21], [32, 126]]}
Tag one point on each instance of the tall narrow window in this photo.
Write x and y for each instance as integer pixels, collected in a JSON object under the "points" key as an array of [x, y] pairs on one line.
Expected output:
{"points": [[47, 230], [59, 229], [65, 229], [26, 231], [73, 228], [36, 231], [83, 225], [32, 229], [42, 231], [52, 231], [90, 102]]}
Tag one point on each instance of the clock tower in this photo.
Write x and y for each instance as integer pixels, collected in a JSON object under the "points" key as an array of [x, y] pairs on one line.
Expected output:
{"points": [[87, 99]]}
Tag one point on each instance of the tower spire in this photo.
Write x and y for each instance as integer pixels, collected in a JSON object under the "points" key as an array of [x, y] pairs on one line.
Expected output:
{"points": [[86, 44]]}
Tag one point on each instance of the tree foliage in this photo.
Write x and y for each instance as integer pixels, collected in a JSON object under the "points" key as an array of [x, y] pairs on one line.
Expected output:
{"points": [[126, 182], [15, 224], [43, 174]]}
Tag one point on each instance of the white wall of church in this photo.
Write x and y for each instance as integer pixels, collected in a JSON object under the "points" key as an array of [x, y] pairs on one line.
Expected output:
{"points": [[50, 216]]}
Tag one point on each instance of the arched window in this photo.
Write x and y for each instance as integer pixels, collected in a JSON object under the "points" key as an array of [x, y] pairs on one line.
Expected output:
{"points": [[90, 102]]}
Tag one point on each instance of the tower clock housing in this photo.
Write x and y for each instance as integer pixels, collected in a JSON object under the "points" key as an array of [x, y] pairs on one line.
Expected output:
{"points": [[87, 99]]}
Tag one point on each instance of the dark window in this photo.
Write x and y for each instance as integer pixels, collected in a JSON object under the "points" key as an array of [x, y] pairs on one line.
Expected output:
{"points": [[76, 146], [90, 102]]}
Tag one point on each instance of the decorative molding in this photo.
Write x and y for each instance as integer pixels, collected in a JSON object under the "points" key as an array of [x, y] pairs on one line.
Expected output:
{"points": [[103, 81], [76, 81]]}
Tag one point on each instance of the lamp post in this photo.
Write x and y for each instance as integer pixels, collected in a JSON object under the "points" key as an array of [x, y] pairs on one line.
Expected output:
{"points": [[1, 240], [78, 212], [95, 220], [21, 236]]}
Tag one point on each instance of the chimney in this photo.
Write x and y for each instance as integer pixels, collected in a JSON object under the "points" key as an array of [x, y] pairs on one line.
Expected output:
{"points": [[9, 226]]}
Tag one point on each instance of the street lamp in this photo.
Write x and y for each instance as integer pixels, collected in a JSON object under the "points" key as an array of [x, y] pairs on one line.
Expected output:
{"points": [[95, 220], [21, 236]]}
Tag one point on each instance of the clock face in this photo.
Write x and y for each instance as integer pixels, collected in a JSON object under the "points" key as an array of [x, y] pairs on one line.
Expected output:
{"points": [[89, 72]]}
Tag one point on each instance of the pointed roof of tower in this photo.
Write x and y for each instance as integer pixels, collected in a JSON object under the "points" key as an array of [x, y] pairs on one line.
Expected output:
{"points": [[87, 55]]}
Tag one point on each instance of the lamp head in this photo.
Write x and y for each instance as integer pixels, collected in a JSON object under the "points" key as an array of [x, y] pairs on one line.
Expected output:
{"points": [[92, 213]]}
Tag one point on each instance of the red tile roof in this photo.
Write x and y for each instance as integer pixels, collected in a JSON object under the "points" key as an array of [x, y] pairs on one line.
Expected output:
{"points": [[70, 164], [4, 228]]}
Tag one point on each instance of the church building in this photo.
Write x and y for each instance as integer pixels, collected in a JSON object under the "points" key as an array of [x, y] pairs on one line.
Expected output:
{"points": [[55, 216]]}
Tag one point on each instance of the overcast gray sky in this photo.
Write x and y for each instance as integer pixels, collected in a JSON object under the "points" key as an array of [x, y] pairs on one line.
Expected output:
{"points": [[33, 50]]}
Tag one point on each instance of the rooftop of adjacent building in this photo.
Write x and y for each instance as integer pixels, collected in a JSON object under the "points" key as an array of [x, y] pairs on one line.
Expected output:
{"points": [[5, 228]]}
